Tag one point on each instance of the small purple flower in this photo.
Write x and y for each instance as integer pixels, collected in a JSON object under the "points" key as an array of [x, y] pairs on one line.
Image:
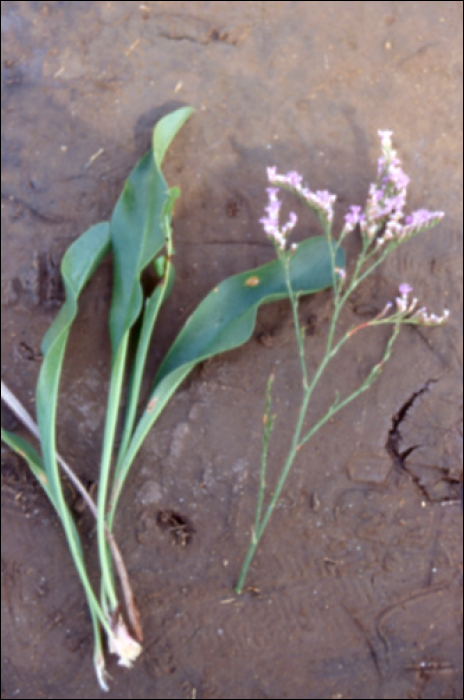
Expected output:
{"points": [[354, 216], [405, 289], [403, 304], [271, 173], [294, 179], [423, 217], [322, 201], [270, 222], [398, 178], [385, 135], [421, 317], [325, 197], [385, 141], [291, 223]]}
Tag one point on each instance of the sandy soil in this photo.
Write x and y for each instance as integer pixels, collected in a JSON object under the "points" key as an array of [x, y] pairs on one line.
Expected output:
{"points": [[357, 587]]}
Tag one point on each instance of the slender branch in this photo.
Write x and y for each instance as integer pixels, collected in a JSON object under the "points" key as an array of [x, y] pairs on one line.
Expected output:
{"points": [[268, 422]]}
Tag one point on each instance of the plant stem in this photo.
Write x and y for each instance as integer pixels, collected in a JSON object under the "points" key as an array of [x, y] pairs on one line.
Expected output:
{"points": [[16, 406], [258, 531], [268, 421], [117, 376], [150, 314], [330, 352], [285, 259]]}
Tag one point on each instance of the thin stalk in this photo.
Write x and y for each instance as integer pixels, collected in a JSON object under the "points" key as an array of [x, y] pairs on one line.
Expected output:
{"points": [[338, 405], [24, 416], [330, 352], [257, 534], [285, 260], [268, 421], [150, 314], [116, 381], [27, 452], [258, 530], [18, 409], [297, 443]]}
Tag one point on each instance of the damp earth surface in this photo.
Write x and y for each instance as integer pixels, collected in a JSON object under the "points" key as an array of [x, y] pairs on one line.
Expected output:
{"points": [[356, 590]]}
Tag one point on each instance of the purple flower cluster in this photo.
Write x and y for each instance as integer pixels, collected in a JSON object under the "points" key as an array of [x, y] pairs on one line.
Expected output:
{"points": [[386, 201], [383, 212], [320, 201], [408, 309], [271, 221], [384, 209]]}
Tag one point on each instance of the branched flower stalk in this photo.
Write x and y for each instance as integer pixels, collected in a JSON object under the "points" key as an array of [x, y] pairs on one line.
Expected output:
{"points": [[383, 227]]}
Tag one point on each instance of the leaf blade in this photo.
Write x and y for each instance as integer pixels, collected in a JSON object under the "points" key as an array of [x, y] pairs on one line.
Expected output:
{"points": [[78, 264], [225, 318], [136, 232], [219, 324]]}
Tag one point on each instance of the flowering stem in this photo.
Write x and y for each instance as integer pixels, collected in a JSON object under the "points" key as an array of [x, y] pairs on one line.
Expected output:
{"points": [[382, 230], [298, 442], [330, 352]]}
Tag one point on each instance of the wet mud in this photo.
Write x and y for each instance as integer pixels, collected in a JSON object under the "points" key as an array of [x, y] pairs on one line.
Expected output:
{"points": [[356, 590]]}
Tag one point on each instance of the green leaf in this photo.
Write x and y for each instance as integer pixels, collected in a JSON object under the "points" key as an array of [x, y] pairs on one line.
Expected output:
{"points": [[78, 265], [79, 262], [225, 319], [137, 235], [25, 450], [151, 309], [166, 129], [136, 231]]}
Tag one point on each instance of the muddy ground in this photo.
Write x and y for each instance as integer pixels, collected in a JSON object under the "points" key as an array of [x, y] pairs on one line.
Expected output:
{"points": [[356, 591]]}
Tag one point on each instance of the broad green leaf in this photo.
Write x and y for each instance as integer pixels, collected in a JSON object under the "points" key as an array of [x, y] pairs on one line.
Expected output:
{"points": [[151, 309], [224, 320], [137, 236], [166, 129], [78, 264], [226, 317], [136, 231]]}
